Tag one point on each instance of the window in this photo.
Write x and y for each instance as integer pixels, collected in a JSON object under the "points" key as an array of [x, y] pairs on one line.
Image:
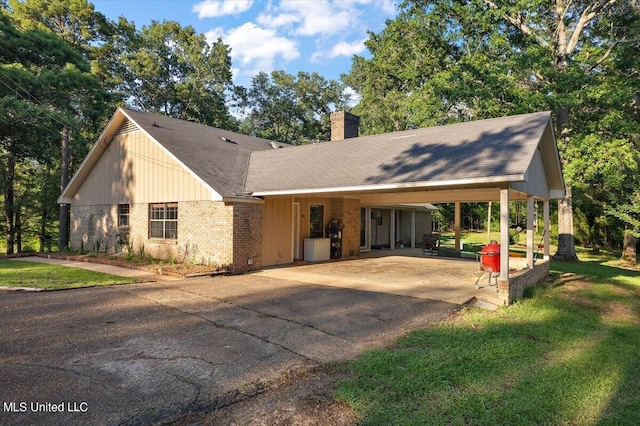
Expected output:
{"points": [[123, 215], [163, 220], [316, 221]]}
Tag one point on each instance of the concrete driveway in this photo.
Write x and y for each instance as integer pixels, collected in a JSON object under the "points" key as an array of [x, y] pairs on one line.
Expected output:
{"points": [[142, 353], [402, 272]]}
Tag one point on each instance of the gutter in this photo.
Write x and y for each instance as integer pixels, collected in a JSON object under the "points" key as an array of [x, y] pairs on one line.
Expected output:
{"points": [[394, 186]]}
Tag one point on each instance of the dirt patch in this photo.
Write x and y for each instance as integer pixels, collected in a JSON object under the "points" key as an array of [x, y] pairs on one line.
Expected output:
{"points": [[620, 312], [302, 398], [179, 270]]}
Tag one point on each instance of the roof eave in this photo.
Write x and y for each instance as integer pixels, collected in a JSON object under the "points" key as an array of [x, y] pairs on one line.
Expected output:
{"points": [[92, 157], [505, 179]]}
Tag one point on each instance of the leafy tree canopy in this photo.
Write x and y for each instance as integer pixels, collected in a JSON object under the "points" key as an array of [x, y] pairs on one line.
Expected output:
{"points": [[172, 70], [454, 60], [291, 109]]}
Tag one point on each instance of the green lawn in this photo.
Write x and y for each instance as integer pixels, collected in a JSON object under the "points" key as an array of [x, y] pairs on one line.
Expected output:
{"points": [[567, 354], [52, 277]]}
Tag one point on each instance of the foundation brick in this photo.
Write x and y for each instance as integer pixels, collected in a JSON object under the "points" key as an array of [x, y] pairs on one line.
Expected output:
{"points": [[206, 233]]}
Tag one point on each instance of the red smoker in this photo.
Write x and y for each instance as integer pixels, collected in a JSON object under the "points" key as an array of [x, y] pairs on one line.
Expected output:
{"points": [[490, 257], [490, 263]]}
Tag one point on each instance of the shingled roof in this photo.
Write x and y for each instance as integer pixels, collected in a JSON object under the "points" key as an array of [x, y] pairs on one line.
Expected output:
{"points": [[493, 150], [219, 157], [235, 165]]}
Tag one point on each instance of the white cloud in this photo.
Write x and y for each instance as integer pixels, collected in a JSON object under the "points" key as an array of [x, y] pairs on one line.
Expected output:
{"points": [[343, 48], [354, 97], [255, 48], [215, 8], [320, 17], [277, 21]]}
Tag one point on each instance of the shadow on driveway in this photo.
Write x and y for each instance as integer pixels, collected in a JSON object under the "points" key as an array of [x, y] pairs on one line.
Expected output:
{"points": [[141, 353]]}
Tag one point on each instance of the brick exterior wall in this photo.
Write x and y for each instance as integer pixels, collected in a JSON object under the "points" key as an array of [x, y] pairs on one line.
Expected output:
{"points": [[91, 225], [423, 226], [344, 125], [206, 232], [247, 237], [514, 288], [348, 210]]}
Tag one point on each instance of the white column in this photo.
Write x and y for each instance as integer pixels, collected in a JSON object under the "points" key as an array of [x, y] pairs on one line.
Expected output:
{"points": [[392, 230], [456, 225], [413, 229], [504, 235], [530, 234], [547, 228]]}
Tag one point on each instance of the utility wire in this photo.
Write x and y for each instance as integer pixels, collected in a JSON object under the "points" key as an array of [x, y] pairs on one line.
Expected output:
{"points": [[30, 98]]}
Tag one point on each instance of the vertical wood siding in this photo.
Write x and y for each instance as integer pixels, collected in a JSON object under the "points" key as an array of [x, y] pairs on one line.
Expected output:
{"points": [[277, 231], [134, 169], [537, 183]]}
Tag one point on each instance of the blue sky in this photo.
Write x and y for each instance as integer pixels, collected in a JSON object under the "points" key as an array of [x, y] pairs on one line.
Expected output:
{"points": [[264, 35]]}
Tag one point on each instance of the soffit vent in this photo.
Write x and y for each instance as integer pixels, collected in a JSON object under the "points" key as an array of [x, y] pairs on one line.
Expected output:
{"points": [[127, 127]]}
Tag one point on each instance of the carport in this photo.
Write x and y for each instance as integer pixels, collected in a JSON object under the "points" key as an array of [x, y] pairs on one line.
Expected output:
{"points": [[501, 160], [403, 272]]}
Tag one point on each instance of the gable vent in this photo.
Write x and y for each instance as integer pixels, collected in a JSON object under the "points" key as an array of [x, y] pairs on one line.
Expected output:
{"points": [[127, 127]]}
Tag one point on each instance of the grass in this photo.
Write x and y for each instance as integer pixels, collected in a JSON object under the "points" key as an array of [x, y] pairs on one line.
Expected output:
{"points": [[567, 354], [53, 277]]}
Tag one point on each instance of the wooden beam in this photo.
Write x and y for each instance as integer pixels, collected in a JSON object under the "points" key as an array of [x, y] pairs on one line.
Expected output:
{"points": [[530, 233], [547, 228], [441, 196], [456, 225], [392, 229], [413, 229], [504, 235]]}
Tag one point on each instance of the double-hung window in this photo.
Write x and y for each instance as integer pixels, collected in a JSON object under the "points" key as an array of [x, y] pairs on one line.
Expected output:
{"points": [[163, 220], [123, 215], [316, 221]]}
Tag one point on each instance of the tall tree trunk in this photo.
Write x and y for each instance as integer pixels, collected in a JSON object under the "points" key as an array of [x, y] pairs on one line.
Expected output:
{"points": [[63, 241], [9, 199], [18, 227], [629, 248], [43, 229], [566, 242]]}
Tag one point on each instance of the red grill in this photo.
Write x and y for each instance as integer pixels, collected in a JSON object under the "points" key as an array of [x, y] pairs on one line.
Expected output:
{"points": [[490, 257], [489, 263]]}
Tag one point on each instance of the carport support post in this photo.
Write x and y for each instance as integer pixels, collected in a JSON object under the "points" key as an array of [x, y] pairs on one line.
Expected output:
{"points": [[392, 230], [530, 234], [456, 226], [547, 228], [413, 229], [504, 241]]}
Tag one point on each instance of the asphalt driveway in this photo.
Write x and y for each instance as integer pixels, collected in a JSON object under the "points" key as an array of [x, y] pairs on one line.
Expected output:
{"points": [[142, 353]]}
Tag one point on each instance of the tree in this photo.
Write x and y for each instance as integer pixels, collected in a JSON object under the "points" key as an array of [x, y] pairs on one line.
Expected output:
{"points": [[172, 70], [456, 60], [46, 85], [291, 109], [77, 22]]}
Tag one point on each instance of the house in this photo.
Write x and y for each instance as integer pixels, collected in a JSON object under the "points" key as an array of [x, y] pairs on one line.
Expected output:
{"points": [[179, 189]]}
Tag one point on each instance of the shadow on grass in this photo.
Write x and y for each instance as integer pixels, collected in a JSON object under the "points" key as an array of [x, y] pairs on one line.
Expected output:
{"points": [[546, 360]]}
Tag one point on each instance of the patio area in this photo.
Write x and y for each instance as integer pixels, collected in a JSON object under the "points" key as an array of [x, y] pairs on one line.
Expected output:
{"points": [[405, 272]]}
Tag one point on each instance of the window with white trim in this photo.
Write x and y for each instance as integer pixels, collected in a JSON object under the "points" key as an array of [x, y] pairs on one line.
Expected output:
{"points": [[316, 221], [123, 215], [163, 220]]}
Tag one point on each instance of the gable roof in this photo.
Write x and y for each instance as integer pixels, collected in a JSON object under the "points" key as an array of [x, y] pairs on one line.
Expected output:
{"points": [[234, 165], [217, 158], [475, 152]]}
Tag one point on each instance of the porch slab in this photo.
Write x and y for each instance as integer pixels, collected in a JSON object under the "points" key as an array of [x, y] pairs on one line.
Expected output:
{"points": [[407, 273]]}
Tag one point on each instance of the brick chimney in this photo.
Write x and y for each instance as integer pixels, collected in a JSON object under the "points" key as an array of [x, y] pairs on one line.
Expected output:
{"points": [[344, 125]]}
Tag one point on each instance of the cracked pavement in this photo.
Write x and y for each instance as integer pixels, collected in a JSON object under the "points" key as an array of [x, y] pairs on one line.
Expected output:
{"points": [[153, 352]]}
